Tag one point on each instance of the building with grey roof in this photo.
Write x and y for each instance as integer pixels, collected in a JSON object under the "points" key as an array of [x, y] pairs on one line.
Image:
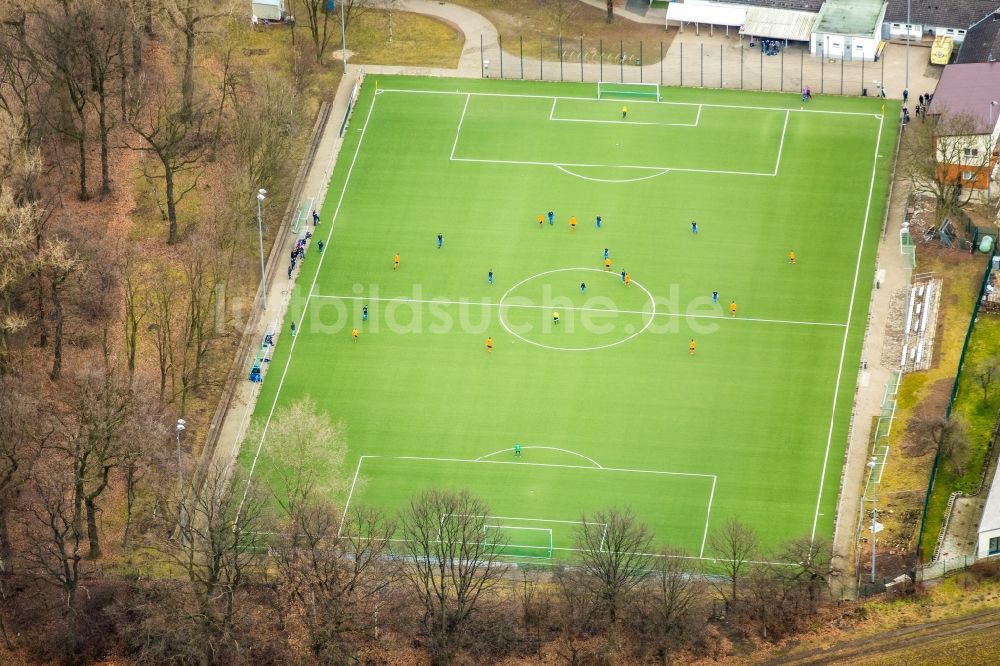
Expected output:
{"points": [[982, 41]]}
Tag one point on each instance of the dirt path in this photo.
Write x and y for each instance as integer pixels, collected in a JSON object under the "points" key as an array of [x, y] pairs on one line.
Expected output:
{"points": [[961, 639]]}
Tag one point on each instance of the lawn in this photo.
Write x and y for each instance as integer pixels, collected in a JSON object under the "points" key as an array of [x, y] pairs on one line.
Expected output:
{"points": [[607, 400]]}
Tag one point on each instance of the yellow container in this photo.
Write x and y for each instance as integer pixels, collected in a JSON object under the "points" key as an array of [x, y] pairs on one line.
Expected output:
{"points": [[941, 50]]}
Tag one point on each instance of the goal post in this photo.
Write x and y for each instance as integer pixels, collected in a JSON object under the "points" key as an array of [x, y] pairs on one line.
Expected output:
{"points": [[615, 90], [521, 542]]}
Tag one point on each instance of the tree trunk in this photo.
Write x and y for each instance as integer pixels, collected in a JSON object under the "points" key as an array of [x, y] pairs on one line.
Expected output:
{"points": [[57, 340], [187, 83], [102, 123], [130, 481], [95, 544], [5, 546], [168, 176], [81, 142]]}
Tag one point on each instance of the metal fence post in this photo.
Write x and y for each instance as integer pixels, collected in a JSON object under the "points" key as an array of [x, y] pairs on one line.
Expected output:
{"points": [[802, 75], [640, 61], [862, 91], [741, 66], [521, 39], [621, 61], [841, 74], [500, 44], [661, 63], [701, 64], [682, 64], [560, 59], [822, 74], [581, 60], [600, 47], [781, 83], [482, 63], [762, 69], [722, 83], [541, 57]]}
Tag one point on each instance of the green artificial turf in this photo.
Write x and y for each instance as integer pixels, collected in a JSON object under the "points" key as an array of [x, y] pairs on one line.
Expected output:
{"points": [[610, 407]]}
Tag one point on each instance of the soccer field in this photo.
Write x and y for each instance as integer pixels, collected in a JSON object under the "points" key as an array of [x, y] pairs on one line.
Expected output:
{"points": [[608, 404]]}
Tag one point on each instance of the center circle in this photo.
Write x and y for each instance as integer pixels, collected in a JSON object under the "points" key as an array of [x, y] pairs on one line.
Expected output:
{"points": [[629, 329]]}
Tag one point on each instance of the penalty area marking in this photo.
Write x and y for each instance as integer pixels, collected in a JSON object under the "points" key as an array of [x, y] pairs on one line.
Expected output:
{"points": [[503, 322], [482, 461]]}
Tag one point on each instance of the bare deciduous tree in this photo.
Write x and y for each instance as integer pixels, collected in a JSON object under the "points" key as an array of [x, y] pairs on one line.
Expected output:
{"points": [[17, 224], [614, 551], [192, 19], [57, 263], [175, 137], [734, 546], [669, 599], [987, 373], [453, 560], [220, 546], [942, 157]]}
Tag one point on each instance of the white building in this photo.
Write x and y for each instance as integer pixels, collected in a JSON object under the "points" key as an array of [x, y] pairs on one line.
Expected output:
{"points": [[848, 29], [989, 524], [269, 10]]}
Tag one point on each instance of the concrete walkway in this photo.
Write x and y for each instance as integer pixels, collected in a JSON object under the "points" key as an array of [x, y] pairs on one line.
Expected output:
{"points": [[478, 30]]}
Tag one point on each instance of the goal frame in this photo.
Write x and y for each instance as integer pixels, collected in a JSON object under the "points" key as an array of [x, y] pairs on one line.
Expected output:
{"points": [[619, 89]]}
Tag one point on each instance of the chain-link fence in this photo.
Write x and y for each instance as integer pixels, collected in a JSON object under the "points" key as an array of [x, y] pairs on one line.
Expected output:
{"points": [[741, 64]]}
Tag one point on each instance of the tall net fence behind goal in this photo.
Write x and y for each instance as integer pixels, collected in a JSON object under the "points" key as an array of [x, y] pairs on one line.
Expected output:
{"points": [[615, 90]]}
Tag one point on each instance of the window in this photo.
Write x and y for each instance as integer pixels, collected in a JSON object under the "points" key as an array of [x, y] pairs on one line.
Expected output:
{"points": [[970, 152], [994, 547], [968, 176]]}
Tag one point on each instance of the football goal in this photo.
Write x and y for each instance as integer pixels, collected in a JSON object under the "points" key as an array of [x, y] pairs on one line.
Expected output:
{"points": [[530, 542], [613, 90]]}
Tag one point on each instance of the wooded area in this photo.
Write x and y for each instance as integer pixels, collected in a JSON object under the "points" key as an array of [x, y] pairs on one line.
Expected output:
{"points": [[134, 135]]}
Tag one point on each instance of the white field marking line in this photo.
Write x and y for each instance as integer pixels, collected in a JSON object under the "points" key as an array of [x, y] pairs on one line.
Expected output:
{"points": [[697, 118], [611, 180], [515, 527], [552, 111], [597, 465], [350, 494], [847, 330], [458, 132], [708, 515], [604, 535], [530, 520], [675, 557], [511, 462], [614, 166], [658, 313], [305, 307], [634, 101], [781, 144]]}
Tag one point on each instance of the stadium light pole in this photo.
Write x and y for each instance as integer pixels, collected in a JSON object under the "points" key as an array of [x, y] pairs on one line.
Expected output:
{"points": [[906, 75], [261, 195], [343, 35], [181, 426]]}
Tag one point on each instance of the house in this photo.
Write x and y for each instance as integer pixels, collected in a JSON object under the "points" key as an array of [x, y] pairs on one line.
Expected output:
{"points": [[982, 41], [966, 108], [989, 524], [848, 29], [785, 20], [269, 10], [935, 17]]}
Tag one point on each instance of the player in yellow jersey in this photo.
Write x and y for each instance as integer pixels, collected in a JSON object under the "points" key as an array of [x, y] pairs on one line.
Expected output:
{"points": [[489, 344], [541, 221], [607, 264], [791, 257], [691, 347], [395, 261], [732, 309], [354, 334], [624, 111], [628, 279]]}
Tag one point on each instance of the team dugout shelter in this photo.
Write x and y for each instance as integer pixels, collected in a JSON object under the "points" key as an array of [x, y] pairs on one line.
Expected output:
{"points": [[755, 20]]}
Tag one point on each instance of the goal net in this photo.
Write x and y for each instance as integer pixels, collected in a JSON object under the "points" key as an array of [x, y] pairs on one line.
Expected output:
{"points": [[520, 542], [608, 89]]}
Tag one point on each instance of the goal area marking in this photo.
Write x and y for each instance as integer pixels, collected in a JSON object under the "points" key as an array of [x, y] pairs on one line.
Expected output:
{"points": [[621, 89]]}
